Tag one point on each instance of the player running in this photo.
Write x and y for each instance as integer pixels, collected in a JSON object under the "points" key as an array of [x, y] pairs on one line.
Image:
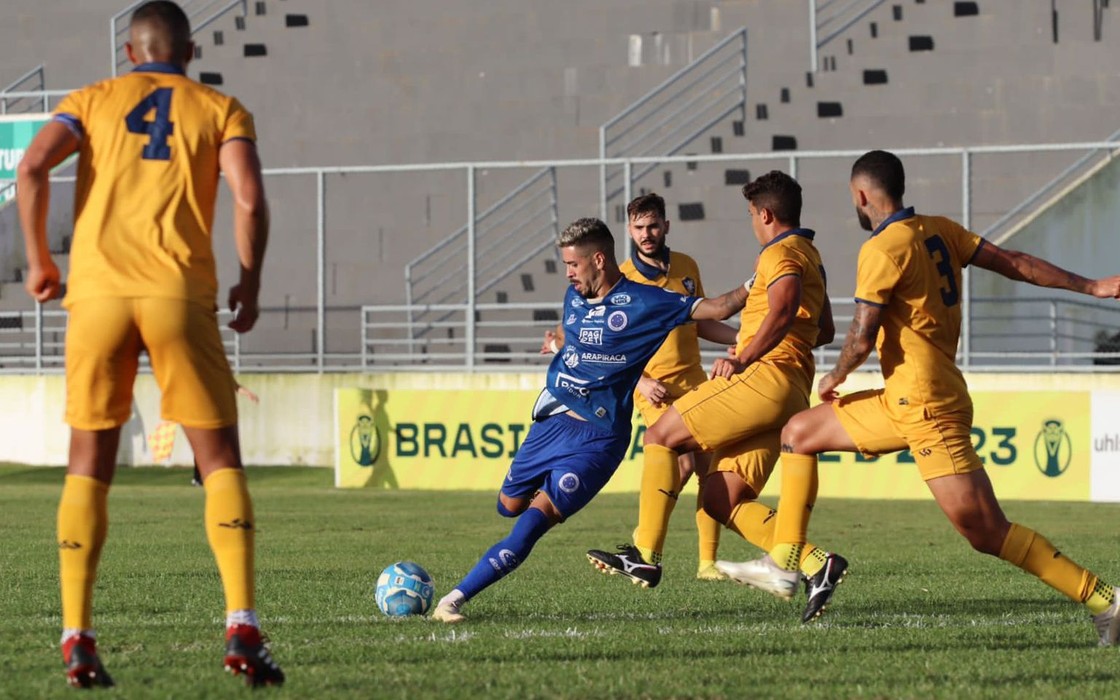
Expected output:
{"points": [[581, 426]]}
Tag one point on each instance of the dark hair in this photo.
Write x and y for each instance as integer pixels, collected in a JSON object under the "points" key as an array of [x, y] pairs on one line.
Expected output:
{"points": [[777, 192], [642, 205], [588, 233], [884, 169], [171, 20]]}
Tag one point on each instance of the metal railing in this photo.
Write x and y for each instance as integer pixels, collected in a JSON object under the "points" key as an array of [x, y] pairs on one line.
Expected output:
{"points": [[508, 234], [1052, 192], [828, 19], [25, 94], [674, 114], [313, 344], [201, 13]]}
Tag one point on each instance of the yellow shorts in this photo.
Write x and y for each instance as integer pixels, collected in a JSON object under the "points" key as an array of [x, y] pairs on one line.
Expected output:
{"points": [[724, 411], [104, 339], [752, 458], [678, 387], [941, 443]]}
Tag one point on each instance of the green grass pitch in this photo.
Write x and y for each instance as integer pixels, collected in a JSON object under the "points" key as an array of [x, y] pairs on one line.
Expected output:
{"points": [[920, 615]]}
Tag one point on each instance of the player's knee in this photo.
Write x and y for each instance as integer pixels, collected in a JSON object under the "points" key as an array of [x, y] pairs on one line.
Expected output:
{"points": [[509, 507], [797, 435], [717, 500], [653, 436]]}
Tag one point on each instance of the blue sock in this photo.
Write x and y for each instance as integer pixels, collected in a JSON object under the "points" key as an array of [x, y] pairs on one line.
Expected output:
{"points": [[506, 555]]}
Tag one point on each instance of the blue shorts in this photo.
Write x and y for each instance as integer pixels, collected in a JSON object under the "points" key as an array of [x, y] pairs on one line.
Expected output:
{"points": [[568, 459]]}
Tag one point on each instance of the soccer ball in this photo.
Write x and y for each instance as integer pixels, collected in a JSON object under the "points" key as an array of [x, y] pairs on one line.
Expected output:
{"points": [[404, 588]]}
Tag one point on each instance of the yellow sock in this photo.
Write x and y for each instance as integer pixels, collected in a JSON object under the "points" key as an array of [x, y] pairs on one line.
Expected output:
{"points": [[812, 559], [754, 522], [230, 528], [661, 484], [1034, 554], [799, 493], [707, 528], [83, 522]]}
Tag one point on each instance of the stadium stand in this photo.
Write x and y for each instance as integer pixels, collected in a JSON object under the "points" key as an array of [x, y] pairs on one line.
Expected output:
{"points": [[335, 84]]}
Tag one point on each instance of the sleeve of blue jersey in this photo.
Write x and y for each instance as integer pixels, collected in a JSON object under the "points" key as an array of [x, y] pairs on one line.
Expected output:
{"points": [[669, 308]]}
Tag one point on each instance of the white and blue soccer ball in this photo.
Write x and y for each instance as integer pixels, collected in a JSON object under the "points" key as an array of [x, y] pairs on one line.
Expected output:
{"points": [[404, 588]]}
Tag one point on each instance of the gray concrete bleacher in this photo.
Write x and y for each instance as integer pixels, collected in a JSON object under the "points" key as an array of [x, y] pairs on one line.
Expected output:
{"points": [[426, 81]]}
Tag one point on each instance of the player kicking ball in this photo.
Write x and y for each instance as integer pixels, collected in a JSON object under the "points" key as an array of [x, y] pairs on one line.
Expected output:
{"points": [[581, 427]]}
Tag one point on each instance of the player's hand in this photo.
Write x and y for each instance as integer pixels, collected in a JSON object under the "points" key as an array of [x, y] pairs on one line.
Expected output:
{"points": [[727, 367], [654, 391], [243, 304], [546, 345], [43, 281], [248, 393], [827, 387], [1106, 288]]}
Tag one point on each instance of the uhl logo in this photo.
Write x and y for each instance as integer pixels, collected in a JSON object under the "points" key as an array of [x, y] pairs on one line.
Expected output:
{"points": [[1053, 448]]}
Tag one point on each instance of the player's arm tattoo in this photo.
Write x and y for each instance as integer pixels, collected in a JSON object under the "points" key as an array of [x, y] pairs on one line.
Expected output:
{"points": [[1024, 267], [860, 340], [724, 306]]}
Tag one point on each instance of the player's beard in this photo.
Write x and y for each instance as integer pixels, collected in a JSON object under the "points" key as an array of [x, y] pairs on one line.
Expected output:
{"points": [[864, 220], [656, 252]]}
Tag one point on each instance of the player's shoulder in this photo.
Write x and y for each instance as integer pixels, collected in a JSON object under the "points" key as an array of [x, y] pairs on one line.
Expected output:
{"points": [[683, 262], [629, 271]]}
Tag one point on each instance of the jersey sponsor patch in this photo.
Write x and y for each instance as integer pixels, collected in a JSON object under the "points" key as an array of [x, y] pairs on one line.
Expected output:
{"points": [[591, 336], [570, 321], [689, 285], [621, 299], [617, 321], [572, 385], [601, 358], [596, 312]]}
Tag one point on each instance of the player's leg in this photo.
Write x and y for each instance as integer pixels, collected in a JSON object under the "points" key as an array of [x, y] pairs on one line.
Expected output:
{"points": [[971, 505], [102, 351], [663, 443], [563, 463], [741, 472], [198, 392], [716, 413], [857, 422], [707, 527]]}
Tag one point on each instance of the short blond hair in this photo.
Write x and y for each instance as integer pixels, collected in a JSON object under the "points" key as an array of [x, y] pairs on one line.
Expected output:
{"points": [[588, 233]]}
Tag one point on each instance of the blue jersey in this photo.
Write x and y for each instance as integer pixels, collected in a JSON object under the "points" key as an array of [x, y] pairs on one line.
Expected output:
{"points": [[606, 345]]}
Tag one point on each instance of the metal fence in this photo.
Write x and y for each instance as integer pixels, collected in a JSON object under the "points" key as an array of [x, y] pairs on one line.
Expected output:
{"points": [[475, 335]]}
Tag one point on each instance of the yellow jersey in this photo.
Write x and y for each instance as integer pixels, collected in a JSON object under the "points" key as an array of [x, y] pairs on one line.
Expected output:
{"points": [[680, 352], [791, 253], [910, 267], [147, 184]]}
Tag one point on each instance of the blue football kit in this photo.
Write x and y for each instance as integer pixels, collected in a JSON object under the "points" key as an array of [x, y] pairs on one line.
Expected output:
{"points": [[606, 345]]}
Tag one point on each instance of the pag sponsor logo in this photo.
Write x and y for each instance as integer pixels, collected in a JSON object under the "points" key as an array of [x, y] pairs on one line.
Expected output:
{"points": [[617, 321], [572, 385], [591, 336], [621, 299], [570, 358], [601, 358], [1053, 448]]}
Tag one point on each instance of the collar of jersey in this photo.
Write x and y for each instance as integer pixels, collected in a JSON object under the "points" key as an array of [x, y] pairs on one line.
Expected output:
{"points": [[899, 215], [805, 232], [156, 67], [648, 271]]}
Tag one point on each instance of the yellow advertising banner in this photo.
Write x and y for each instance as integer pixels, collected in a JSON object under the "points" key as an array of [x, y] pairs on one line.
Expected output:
{"points": [[1035, 445]]}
